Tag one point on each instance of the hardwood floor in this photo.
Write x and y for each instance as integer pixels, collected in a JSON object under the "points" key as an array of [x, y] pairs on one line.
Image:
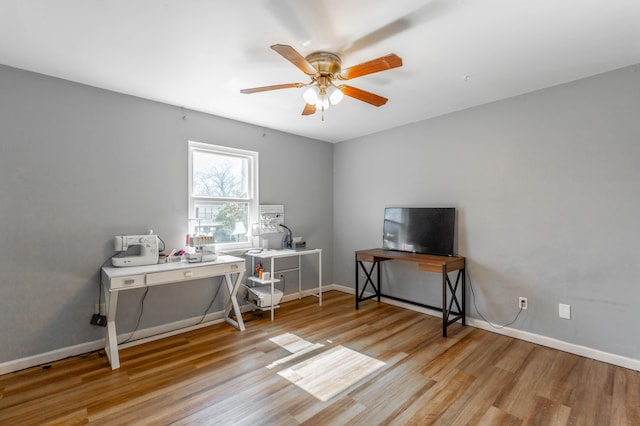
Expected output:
{"points": [[218, 375]]}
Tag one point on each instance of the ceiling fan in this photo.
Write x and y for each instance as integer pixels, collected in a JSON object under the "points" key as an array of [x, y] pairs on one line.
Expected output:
{"points": [[325, 71]]}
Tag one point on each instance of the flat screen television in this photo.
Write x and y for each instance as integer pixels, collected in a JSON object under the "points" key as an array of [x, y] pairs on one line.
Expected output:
{"points": [[428, 230]]}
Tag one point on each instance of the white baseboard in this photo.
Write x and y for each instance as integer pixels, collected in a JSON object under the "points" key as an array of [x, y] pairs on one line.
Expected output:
{"points": [[47, 357], [587, 352], [166, 330], [170, 329], [138, 338]]}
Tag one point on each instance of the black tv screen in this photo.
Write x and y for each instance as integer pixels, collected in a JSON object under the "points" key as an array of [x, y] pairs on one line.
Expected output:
{"points": [[428, 230]]}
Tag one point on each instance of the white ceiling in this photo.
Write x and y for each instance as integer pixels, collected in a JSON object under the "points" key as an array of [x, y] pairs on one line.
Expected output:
{"points": [[200, 53]]}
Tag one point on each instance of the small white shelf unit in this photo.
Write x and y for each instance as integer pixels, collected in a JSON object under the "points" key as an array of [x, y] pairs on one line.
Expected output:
{"points": [[272, 255]]}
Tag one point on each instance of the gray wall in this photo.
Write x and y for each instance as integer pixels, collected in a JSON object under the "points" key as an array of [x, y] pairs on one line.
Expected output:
{"points": [[79, 165], [547, 187]]}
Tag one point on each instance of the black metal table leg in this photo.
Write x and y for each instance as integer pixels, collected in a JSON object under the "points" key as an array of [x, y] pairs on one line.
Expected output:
{"points": [[357, 280], [464, 292], [360, 293], [454, 297], [379, 289], [445, 312]]}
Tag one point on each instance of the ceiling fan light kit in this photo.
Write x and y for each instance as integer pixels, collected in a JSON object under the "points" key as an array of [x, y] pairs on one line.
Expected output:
{"points": [[324, 68], [322, 96]]}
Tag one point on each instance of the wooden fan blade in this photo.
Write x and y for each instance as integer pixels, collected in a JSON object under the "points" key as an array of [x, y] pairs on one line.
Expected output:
{"points": [[363, 95], [275, 87], [309, 109], [376, 65], [375, 37], [292, 55]]}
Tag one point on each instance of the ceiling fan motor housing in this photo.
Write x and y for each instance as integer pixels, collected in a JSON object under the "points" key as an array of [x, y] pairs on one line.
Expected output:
{"points": [[327, 63]]}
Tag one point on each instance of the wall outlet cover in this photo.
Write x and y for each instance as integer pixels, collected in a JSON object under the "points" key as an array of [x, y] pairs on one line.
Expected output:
{"points": [[564, 311]]}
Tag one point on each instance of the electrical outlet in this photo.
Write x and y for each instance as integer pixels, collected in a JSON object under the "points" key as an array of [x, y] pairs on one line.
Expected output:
{"points": [[522, 302], [100, 320], [564, 311]]}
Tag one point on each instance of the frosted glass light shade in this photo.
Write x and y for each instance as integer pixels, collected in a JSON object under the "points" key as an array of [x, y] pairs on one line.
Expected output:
{"points": [[335, 95], [322, 103], [311, 95]]}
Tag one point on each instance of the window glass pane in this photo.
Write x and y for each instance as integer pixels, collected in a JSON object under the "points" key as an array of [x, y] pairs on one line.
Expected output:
{"points": [[223, 193], [218, 175], [227, 221]]}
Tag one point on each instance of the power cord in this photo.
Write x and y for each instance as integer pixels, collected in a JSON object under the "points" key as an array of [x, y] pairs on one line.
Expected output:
{"points": [[144, 296], [284, 283], [97, 318], [211, 303], [498, 327]]}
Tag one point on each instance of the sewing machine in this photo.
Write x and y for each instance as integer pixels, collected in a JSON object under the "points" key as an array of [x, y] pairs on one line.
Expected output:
{"points": [[148, 250]]}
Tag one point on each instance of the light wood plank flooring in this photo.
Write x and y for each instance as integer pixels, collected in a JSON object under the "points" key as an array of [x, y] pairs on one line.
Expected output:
{"points": [[218, 375]]}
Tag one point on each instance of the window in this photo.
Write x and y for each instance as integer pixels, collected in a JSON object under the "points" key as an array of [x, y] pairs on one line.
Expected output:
{"points": [[223, 193]]}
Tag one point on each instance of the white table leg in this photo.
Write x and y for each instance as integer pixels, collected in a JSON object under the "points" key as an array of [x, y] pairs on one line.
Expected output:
{"points": [[320, 278], [233, 302], [111, 337], [299, 276], [272, 284]]}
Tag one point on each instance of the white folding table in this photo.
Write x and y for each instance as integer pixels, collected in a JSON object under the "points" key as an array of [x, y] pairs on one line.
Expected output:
{"points": [[115, 280]]}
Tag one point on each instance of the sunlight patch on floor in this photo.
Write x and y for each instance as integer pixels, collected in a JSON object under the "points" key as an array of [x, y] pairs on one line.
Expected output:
{"points": [[294, 344], [331, 372]]}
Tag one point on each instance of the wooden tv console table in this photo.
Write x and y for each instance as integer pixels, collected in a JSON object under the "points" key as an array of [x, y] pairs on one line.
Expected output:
{"points": [[426, 262]]}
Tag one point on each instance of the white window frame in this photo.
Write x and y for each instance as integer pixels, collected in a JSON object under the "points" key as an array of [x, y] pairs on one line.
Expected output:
{"points": [[252, 191]]}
